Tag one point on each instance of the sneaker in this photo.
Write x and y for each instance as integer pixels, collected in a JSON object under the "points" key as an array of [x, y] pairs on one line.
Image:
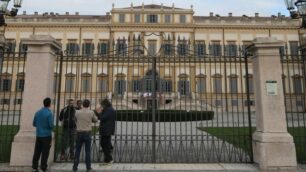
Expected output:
{"points": [[35, 170], [107, 163], [90, 170]]}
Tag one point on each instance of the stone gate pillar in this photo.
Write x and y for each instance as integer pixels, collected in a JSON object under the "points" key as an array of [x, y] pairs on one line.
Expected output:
{"points": [[39, 69], [273, 146]]}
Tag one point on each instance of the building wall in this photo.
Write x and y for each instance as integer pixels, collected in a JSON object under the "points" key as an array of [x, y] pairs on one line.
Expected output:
{"points": [[81, 29]]}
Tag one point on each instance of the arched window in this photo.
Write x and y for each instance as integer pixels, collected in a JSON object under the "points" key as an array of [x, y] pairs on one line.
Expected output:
{"points": [[6, 82], [183, 85], [120, 84], [233, 83], [121, 47], [217, 83], [201, 83], [20, 82], [297, 84], [70, 80], [102, 83], [250, 79], [86, 82]]}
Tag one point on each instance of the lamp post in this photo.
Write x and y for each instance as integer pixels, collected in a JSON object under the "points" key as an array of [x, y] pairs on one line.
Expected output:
{"points": [[297, 9], [5, 12]]}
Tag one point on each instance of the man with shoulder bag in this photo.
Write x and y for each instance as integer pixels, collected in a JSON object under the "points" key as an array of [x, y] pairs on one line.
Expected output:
{"points": [[67, 117]]}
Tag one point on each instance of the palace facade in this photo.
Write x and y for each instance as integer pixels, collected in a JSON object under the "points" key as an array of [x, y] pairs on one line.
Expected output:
{"points": [[198, 60]]}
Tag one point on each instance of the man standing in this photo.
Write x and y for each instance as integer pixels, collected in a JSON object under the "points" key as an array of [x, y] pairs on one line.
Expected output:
{"points": [[78, 105], [84, 118], [67, 116], [107, 118], [43, 121]]}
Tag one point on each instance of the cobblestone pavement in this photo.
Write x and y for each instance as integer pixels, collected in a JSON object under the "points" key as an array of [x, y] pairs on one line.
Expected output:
{"points": [[58, 167]]}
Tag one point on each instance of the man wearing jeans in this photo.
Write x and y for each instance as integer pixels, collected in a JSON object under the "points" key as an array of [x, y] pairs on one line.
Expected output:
{"points": [[84, 118], [43, 121]]}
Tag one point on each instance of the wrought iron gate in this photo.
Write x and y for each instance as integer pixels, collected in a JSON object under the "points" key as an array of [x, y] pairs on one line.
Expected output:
{"points": [[11, 89], [293, 74], [173, 105]]}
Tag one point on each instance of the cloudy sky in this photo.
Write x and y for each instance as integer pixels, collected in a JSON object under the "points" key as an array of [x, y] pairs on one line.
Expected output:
{"points": [[201, 7]]}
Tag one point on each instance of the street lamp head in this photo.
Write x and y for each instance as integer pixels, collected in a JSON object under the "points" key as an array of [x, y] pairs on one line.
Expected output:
{"points": [[290, 4], [3, 6], [291, 8], [17, 3], [301, 6], [13, 12]]}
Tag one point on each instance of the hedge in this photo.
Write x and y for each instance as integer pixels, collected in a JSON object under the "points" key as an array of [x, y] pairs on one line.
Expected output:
{"points": [[163, 115]]}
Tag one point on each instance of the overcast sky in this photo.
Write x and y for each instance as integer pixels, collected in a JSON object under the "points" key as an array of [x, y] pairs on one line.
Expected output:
{"points": [[201, 7]]}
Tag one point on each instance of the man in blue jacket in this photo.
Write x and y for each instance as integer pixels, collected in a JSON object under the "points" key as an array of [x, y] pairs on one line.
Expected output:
{"points": [[43, 121]]}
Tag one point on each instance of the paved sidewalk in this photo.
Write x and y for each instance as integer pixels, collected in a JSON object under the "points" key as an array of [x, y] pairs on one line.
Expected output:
{"points": [[117, 167]]}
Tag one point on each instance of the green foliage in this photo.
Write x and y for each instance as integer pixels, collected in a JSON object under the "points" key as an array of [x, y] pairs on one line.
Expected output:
{"points": [[7, 134], [163, 115]]}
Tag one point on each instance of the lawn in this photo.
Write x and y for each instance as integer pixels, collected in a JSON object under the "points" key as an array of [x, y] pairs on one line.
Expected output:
{"points": [[7, 134], [239, 137]]}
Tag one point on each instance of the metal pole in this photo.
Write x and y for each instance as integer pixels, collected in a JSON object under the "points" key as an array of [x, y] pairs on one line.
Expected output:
{"points": [[154, 110], [248, 100], [2, 46]]}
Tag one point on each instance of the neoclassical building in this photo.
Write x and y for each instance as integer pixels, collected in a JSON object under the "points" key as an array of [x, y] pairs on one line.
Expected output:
{"points": [[198, 60]]}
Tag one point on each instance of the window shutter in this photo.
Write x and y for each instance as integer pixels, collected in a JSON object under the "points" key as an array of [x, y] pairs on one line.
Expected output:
{"points": [[116, 87], [18, 85], [92, 49], [83, 49], [68, 48], [123, 86], [179, 87], [227, 50], [187, 87]]}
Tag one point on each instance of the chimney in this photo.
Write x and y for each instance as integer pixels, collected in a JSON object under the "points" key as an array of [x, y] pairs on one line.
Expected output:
{"points": [[230, 14], [77, 13], [107, 13], [211, 14], [24, 13], [67, 13], [256, 14], [36, 13]]}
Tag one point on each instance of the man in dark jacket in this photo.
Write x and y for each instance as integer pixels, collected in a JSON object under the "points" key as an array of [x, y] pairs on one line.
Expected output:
{"points": [[67, 116], [107, 116]]}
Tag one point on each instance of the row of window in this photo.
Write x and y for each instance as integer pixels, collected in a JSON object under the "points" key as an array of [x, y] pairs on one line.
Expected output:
{"points": [[182, 48], [145, 85], [153, 18], [8, 101], [6, 84]]}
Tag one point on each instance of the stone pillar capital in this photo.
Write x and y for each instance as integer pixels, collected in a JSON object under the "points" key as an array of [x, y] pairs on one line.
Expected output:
{"points": [[36, 42]]}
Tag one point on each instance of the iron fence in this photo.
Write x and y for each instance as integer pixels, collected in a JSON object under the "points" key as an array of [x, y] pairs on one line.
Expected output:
{"points": [[293, 74], [11, 89], [171, 107]]}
